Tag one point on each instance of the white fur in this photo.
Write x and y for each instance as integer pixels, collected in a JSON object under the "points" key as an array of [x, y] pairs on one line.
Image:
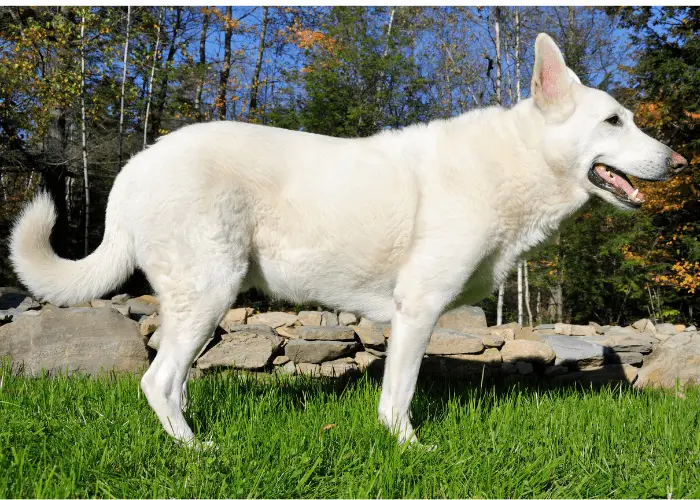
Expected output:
{"points": [[395, 227]]}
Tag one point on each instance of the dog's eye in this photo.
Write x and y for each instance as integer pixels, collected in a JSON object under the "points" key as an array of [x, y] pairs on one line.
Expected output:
{"points": [[614, 120]]}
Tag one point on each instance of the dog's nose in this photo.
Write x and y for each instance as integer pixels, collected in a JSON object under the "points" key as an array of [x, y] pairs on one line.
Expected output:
{"points": [[677, 163]]}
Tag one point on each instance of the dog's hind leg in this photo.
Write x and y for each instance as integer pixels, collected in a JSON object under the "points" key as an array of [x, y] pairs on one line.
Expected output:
{"points": [[193, 301]]}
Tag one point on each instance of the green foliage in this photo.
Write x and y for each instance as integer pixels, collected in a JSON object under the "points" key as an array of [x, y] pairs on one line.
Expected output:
{"points": [[366, 81]]}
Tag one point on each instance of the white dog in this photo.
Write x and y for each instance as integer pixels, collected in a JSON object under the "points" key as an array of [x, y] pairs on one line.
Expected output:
{"points": [[395, 227]]}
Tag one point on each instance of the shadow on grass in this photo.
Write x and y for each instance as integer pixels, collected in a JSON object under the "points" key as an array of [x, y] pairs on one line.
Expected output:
{"points": [[467, 382]]}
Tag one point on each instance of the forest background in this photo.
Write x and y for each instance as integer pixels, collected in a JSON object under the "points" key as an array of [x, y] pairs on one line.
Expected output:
{"points": [[82, 89]]}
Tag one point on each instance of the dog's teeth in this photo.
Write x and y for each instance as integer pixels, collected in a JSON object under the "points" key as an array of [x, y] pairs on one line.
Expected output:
{"points": [[634, 193]]}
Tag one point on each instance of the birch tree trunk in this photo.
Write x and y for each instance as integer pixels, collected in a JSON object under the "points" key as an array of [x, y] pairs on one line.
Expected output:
{"points": [[121, 109], [517, 53], [523, 263], [497, 31], [520, 292], [84, 139], [226, 70], [258, 67], [527, 293], [149, 92], [559, 292], [499, 307], [202, 64]]}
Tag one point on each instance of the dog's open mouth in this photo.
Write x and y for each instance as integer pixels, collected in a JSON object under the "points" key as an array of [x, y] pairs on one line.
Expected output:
{"points": [[617, 183]]}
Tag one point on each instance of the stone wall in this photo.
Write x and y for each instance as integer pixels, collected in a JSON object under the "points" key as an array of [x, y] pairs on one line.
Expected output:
{"points": [[123, 334]]}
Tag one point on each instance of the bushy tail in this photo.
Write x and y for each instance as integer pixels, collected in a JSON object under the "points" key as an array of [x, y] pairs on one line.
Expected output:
{"points": [[63, 281]]}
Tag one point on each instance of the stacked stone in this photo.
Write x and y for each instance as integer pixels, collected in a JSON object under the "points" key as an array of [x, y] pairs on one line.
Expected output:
{"points": [[97, 335]]}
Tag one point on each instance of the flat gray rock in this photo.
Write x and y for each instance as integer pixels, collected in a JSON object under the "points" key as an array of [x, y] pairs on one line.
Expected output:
{"points": [[462, 318], [144, 305], [598, 329], [85, 341], [371, 333], [234, 317], [347, 319], [666, 329], [623, 358], [251, 351], [629, 332], [619, 343], [262, 329], [448, 341], [575, 351], [121, 299], [273, 319], [583, 331], [317, 351], [343, 333], [365, 360], [338, 368], [645, 326], [310, 318], [545, 326], [329, 319]]}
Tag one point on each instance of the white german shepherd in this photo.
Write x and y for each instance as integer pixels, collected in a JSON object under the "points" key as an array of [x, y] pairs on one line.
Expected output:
{"points": [[394, 227]]}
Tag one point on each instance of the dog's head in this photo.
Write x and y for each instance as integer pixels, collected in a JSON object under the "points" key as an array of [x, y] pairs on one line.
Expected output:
{"points": [[592, 136]]}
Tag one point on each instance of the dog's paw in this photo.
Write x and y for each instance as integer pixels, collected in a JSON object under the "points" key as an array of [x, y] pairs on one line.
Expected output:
{"points": [[206, 446], [199, 446], [427, 448]]}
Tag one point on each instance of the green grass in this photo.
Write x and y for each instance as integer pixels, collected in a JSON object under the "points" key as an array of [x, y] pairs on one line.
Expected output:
{"points": [[83, 437]]}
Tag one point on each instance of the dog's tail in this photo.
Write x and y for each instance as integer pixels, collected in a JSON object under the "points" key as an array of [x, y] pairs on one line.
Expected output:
{"points": [[62, 281]]}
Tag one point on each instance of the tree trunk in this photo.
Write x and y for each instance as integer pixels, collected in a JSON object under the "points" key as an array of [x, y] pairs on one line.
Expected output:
{"points": [[121, 99], [199, 114], [518, 97], [517, 53], [527, 293], [499, 306], [163, 91], [86, 179], [520, 292], [258, 66], [149, 92], [497, 31], [559, 294], [223, 76]]}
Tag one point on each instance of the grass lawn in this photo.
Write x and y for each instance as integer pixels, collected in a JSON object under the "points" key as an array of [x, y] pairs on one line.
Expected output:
{"points": [[82, 438]]}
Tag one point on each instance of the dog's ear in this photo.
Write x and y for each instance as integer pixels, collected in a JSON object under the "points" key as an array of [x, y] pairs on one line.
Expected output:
{"points": [[551, 80]]}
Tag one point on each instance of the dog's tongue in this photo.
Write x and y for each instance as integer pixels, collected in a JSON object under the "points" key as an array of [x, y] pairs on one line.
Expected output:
{"points": [[618, 182]]}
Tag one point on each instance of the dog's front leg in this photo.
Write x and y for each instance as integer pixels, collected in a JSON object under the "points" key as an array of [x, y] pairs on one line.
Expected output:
{"points": [[411, 327]]}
